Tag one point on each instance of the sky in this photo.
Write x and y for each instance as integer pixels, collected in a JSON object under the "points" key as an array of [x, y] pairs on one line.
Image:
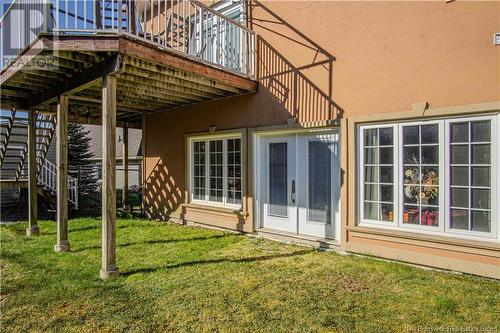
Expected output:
{"points": [[4, 5]]}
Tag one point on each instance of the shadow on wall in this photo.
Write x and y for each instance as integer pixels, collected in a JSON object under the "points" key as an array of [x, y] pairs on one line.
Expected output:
{"points": [[284, 92], [300, 96], [162, 195]]}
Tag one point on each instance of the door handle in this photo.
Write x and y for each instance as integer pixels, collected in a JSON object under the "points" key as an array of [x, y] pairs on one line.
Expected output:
{"points": [[293, 192]]}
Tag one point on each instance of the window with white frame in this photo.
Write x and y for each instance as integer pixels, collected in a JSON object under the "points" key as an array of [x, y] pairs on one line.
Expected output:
{"points": [[437, 175], [216, 175], [378, 184], [470, 175]]}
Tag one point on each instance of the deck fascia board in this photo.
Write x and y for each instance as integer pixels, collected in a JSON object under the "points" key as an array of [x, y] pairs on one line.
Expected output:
{"points": [[171, 79]]}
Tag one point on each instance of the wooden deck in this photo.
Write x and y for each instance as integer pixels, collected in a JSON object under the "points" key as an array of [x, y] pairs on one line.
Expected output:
{"points": [[149, 79]]}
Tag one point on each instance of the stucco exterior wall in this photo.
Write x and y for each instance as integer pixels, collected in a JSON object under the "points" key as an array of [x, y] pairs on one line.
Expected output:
{"points": [[388, 56], [392, 54]]}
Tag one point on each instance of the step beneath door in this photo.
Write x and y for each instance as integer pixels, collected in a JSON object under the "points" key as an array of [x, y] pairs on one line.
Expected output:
{"points": [[283, 236]]}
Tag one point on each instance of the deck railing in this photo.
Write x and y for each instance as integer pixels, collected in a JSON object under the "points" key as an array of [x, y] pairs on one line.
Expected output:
{"points": [[185, 26]]}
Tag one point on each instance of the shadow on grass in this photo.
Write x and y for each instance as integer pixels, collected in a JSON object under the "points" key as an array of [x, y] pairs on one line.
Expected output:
{"points": [[98, 227], [216, 261], [155, 241]]}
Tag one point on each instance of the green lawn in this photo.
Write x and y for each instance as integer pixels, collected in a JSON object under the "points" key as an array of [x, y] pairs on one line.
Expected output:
{"points": [[177, 278]]}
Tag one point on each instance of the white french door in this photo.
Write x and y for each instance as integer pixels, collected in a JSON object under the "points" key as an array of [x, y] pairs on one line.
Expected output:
{"points": [[298, 183], [278, 183]]}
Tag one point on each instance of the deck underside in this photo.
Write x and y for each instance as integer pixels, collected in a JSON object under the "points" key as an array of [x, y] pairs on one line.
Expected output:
{"points": [[149, 79]]}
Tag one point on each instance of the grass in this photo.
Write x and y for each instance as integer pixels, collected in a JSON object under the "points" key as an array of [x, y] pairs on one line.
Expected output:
{"points": [[177, 278]]}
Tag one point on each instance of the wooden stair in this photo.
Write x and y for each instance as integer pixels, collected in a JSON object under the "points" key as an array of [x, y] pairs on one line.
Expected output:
{"points": [[14, 143]]}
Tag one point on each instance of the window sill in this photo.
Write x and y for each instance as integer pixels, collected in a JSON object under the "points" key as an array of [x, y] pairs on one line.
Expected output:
{"points": [[491, 245], [216, 209]]}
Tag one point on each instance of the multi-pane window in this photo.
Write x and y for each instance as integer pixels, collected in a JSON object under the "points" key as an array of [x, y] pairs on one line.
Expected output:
{"points": [[234, 171], [421, 174], [437, 175], [216, 170], [199, 170], [470, 175], [378, 165], [216, 177]]}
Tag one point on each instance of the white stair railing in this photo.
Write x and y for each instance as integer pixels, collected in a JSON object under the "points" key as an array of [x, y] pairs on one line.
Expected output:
{"points": [[47, 178]]}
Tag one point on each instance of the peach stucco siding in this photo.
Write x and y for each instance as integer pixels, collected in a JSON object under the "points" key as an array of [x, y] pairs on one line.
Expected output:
{"points": [[392, 54], [389, 55]]}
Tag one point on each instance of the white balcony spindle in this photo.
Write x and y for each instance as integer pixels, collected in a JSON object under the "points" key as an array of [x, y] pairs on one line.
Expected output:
{"points": [[187, 26]]}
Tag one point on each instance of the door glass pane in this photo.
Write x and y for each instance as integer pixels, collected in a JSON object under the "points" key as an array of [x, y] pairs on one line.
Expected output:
{"points": [[278, 179], [320, 194]]}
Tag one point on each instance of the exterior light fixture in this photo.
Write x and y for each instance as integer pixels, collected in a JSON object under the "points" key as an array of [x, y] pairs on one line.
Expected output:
{"points": [[291, 122]]}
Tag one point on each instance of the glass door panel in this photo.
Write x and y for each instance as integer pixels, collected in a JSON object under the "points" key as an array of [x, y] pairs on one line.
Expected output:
{"points": [[278, 179]]}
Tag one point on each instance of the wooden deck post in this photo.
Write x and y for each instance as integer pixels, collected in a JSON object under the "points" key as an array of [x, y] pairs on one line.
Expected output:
{"points": [[62, 244], [108, 267], [143, 166], [125, 201], [32, 178]]}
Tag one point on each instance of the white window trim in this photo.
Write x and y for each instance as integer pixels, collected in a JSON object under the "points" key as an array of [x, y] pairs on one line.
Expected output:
{"points": [[444, 180], [207, 138], [494, 158], [361, 172], [441, 166]]}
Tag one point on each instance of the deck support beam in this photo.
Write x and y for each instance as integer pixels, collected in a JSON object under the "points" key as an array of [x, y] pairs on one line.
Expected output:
{"points": [[108, 266], [125, 199], [62, 244], [143, 166], [32, 178]]}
